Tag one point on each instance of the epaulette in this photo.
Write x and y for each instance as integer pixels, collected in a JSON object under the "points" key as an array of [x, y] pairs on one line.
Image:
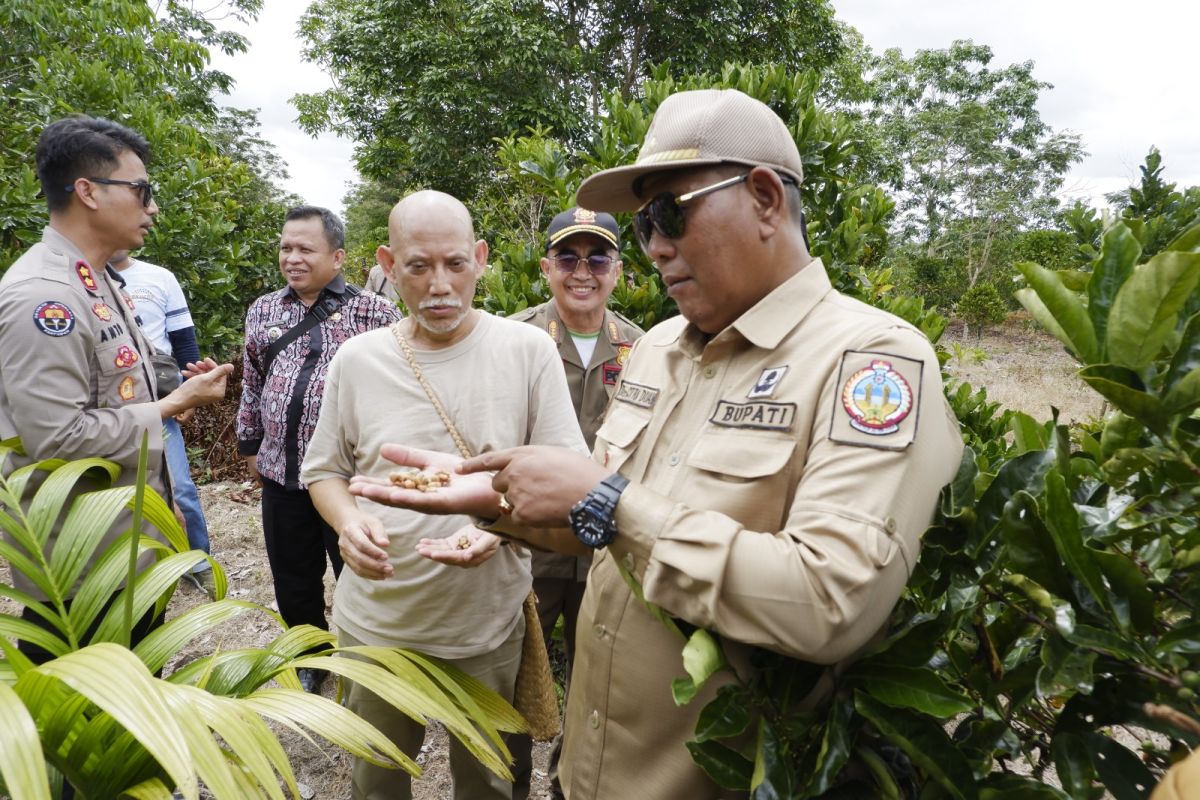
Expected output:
{"points": [[524, 314], [625, 319]]}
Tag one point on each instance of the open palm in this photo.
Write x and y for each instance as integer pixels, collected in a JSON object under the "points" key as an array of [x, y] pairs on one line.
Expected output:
{"points": [[465, 494]]}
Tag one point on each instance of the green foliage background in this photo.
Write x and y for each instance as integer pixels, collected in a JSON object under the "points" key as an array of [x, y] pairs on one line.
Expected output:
{"points": [[220, 209], [1055, 595]]}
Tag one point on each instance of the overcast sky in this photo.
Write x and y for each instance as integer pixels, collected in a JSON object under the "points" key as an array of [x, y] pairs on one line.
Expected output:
{"points": [[1122, 76]]}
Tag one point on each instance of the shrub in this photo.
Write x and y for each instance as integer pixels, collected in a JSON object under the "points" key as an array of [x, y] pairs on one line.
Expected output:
{"points": [[981, 306]]}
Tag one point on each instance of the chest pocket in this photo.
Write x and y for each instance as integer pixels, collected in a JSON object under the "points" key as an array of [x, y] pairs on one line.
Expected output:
{"points": [[118, 356], [745, 475], [618, 437]]}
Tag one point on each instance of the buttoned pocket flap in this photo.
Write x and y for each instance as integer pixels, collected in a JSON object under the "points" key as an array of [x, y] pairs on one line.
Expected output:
{"points": [[741, 454], [623, 426]]}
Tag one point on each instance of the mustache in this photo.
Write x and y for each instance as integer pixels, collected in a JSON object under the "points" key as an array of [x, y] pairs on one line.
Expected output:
{"points": [[446, 303]]}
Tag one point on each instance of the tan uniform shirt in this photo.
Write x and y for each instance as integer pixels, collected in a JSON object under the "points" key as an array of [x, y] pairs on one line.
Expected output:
{"points": [[74, 369], [755, 509], [378, 283], [591, 388], [502, 388]]}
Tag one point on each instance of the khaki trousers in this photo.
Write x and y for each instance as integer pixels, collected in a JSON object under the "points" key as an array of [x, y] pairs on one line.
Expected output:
{"points": [[472, 781]]}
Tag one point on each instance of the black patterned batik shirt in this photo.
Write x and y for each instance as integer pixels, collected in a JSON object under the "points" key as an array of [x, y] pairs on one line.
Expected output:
{"points": [[278, 412]]}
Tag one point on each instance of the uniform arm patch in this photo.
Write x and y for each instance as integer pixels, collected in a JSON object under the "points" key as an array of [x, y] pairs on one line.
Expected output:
{"points": [[878, 400]]}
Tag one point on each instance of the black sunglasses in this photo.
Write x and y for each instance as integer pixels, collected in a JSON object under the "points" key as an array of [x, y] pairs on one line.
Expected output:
{"points": [[146, 187], [597, 263], [664, 212]]}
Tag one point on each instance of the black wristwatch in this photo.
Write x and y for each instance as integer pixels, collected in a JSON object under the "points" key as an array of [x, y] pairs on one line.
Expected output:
{"points": [[592, 517]]}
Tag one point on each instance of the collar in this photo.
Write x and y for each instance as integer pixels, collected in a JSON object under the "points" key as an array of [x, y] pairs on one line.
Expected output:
{"points": [[555, 326], [337, 286], [773, 317], [115, 275], [59, 243]]}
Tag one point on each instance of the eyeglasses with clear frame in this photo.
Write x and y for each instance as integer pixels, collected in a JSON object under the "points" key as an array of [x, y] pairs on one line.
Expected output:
{"points": [[145, 187]]}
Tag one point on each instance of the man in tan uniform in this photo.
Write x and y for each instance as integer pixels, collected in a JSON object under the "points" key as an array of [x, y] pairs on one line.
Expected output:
{"points": [[769, 463], [74, 366], [582, 265]]}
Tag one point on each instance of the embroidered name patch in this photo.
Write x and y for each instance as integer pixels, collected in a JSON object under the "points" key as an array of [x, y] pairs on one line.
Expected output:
{"points": [[54, 319], [763, 416], [638, 395], [877, 401]]}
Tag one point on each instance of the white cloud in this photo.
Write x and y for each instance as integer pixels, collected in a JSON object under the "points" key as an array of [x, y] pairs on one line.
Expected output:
{"points": [[268, 75], [1121, 72]]}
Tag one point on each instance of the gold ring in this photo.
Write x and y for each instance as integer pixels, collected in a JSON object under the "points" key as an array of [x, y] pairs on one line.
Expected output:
{"points": [[505, 506]]}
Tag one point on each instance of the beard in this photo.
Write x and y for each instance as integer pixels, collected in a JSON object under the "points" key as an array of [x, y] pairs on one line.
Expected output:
{"points": [[440, 326]]}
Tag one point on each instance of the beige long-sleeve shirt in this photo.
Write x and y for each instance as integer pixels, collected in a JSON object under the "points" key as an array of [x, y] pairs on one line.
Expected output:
{"points": [[75, 374], [782, 474], [503, 387]]}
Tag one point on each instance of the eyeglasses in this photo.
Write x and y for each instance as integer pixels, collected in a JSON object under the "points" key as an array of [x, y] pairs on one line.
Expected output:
{"points": [[597, 263], [146, 188], [664, 212]]}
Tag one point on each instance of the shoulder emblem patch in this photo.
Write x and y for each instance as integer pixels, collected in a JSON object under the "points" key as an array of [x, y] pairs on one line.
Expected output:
{"points": [[86, 277], [53, 319], [614, 335], [877, 398], [102, 312], [126, 388], [877, 401], [638, 395], [126, 357]]}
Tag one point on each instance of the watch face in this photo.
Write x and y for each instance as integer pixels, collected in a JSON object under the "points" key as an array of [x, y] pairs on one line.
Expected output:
{"points": [[590, 526]]}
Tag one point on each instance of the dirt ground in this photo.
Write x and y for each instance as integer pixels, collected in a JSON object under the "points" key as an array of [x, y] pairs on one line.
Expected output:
{"points": [[1021, 367]]}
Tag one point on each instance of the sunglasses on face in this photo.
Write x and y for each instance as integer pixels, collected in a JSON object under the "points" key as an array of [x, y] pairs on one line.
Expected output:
{"points": [[665, 211], [597, 264], [145, 187]]}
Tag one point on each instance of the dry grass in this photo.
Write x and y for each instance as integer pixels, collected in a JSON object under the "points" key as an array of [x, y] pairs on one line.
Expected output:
{"points": [[1025, 369]]}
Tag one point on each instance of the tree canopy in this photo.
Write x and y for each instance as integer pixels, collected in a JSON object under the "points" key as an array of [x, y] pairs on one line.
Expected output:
{"points": [[214, 176], [425, 89]]}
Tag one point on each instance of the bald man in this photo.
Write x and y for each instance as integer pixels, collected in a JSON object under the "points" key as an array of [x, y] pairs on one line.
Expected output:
{"points": [[500, 384]]}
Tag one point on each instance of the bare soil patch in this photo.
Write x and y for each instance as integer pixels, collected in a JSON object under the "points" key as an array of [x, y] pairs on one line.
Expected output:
{"points": [[1022, 368]]}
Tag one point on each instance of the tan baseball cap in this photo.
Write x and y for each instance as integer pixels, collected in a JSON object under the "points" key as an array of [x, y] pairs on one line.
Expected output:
{"points": [[694, 129]]}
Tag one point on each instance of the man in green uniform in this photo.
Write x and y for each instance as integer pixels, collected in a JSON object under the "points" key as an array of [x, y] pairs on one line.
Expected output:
{"points": [[582, 265]]}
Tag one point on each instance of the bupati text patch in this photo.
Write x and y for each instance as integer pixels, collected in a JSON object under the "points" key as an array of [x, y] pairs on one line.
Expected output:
{"points": [[765, 416]]}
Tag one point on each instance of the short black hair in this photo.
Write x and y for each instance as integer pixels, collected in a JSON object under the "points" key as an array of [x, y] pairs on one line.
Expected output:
{"points": [[335, 231], [78, 147]]}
